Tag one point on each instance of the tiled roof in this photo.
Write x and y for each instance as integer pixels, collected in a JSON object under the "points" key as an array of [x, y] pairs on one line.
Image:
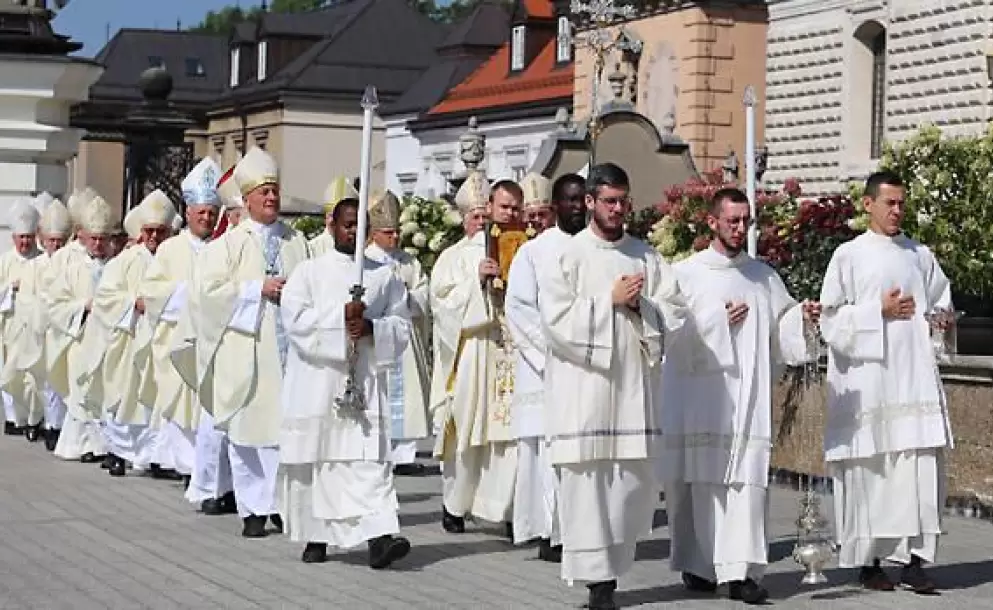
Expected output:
{"points": [[492, 86], [539, 9]]}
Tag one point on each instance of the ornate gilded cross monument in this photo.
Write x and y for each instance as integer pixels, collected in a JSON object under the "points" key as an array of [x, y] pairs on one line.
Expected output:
{"points": [[600, 15]]}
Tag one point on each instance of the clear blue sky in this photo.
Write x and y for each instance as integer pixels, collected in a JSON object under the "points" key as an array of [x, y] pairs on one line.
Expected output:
{"points": [[87, 21]]}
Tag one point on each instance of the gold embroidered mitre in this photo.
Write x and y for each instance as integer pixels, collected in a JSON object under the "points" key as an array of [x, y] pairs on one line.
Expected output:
{"points": [[256, 168], [384, 212], [474, 192], [55, 220], [98, 217], [339, 189], [537, 191], [156, 209]]}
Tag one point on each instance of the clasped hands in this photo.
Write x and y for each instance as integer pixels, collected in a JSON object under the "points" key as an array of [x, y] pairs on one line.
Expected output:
{"points": [[627, 290], [272, 288], [738, 311], [355, 324]]}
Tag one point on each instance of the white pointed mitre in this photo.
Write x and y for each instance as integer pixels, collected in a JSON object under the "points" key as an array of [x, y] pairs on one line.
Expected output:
{"points": [[474, 192], [177, 223], [384, 211], [228, 191], [23, 217], [98, 217], [77, 204], [55, 220], [537, 191], [256, 168], [200, 185], [132, 223], [339, 189], [156, 209], [42, 201]]}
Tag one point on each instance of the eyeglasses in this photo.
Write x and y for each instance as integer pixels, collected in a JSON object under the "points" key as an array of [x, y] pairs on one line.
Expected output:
{"points": [[612, 201]]}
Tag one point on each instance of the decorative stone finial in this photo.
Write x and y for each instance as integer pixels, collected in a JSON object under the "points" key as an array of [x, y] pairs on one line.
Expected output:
{"points": [[472, 146], [155, 84]]}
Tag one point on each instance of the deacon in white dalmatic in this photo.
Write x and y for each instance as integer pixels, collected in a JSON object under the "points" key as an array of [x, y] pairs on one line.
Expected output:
{"points": [[607, 303], [73, 285], [717, 411], [164, 291], [407, 381], [536, 489], [339, 189], [887, 424], [119, 380], [336, 480], [241, 342], [479, 455], [24, 371], [15, 265]]}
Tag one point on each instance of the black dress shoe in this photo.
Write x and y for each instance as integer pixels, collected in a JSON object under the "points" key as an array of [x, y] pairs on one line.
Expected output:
{"points": [[229, 504], [164, 474], [747, 591], [51, 439], [32, 433], [90, 458], [315, 552], [383, 551], [186, 482], [108, 462], [254, 527], [914, 578], [508, 530], [12, 429], [692, 582], [451, 523], [277, 523], [602, 595], [118, 468], [549, 553], [409, 470], [212, 507]]}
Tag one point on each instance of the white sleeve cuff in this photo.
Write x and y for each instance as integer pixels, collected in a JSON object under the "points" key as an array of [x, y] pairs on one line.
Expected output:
{"points": [[174, 306], [7, 303], [126, 323], [248, 308]]}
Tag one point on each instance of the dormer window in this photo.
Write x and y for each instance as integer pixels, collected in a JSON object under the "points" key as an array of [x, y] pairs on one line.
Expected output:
{"points": [[263, 55], [563, 47], [156, 61], [517, 48], [235, 66]]}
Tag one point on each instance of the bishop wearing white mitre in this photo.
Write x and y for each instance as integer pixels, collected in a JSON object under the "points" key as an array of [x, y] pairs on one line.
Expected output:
{"points": [[479, 457], [24, 371], [407, 380], [73, 285], [339, 189], [15, 265], [164, 292], [536, 489], [607, 303], [336, 483], [119, 380], [717, 410], [241, 342], [887, 424]]}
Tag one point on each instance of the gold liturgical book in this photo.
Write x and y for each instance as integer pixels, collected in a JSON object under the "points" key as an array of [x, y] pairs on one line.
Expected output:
{"points": [[502, 242]]}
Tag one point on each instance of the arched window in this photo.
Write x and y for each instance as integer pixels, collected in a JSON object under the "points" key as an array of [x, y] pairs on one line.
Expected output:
{"points": [[868, 96], [878, 94]]}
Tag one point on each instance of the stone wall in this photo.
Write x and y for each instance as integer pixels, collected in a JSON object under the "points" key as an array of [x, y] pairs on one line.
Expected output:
{"points": [[969, 390]]}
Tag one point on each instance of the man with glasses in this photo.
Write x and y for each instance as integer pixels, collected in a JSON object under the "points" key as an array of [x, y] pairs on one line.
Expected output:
{"points": [[717, 419], [607, 302]]}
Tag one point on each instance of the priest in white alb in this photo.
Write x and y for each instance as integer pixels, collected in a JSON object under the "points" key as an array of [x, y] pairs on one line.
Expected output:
{"points": [[479, 455], [536, 489], [335, 478], [73, 286], [15, 266], [887, 423], [119, 380], [607, 303], [339, 189], [407, 380], [717, 409], [241, 342]]}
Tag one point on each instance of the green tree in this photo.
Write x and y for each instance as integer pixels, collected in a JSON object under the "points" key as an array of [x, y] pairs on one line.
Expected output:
{"points": [[224, 20]]}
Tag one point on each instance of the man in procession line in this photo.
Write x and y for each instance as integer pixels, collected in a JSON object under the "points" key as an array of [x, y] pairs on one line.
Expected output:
{"points": [[91, 333]]}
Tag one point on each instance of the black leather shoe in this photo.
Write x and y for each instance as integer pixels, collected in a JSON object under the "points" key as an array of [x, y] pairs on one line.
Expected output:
{"points": [[229, 504], [186, 482], [12, 429], [508, 531], [692, 582], [212, 507], [32, 433], [108, 461], [165, 474], [383, 551], [89, 458], [254, 527], [315, 552], [51, 439], [602, 595], [747, 591], [117, 466], [277, 523], [549, 553], [451, 523]]}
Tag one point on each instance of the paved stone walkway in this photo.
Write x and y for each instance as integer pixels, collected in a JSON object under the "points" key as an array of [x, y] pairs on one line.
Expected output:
{"points": [[71, 537]]}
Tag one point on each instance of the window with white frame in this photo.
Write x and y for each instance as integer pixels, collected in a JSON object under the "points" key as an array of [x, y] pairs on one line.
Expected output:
{"points": [[235, 66], [263, 57], [518, 173], [517, 48], [563, 50]]}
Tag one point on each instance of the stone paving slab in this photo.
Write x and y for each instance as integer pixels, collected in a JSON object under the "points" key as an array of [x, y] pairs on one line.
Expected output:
{"points": [[72, 537]]}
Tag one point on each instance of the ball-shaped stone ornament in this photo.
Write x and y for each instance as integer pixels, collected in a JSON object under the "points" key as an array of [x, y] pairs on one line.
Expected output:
{"points": [[155, 83]]}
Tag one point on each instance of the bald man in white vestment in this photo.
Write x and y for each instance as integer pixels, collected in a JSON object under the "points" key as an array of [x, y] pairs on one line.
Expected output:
{"points": [[478, 452], [240, 340], [887, 424], [607, 303], [536, 489], [717, 407], [336, 479]]}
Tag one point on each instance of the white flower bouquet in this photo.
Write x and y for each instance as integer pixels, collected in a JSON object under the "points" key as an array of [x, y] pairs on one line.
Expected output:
{"points": [[427, 227]]}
